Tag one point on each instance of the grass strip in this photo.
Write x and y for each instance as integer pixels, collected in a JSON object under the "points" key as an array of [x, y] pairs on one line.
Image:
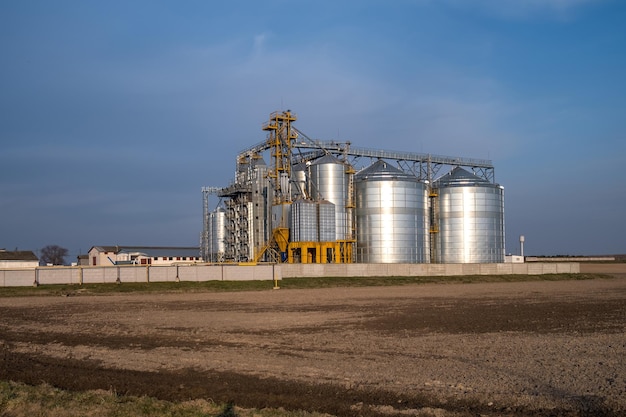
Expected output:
{"points": [[21, 400], [286, 283]]}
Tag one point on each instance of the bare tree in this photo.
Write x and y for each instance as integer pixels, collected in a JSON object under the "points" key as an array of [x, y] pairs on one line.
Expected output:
{"points": [[53, 254]]}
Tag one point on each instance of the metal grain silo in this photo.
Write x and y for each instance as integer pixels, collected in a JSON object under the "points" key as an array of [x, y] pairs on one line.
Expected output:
{"points": [[299, 181], [304, 221], [217, 235], [326, 221], [468, 219], [329, 181], [312, 221], [391, 216]]}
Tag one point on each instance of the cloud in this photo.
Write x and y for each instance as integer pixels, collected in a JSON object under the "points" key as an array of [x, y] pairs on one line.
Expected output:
{"points": [[259, 42], [431, 110]]}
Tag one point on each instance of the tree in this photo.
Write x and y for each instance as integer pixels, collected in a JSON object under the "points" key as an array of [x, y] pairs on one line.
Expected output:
{"points": [[53, 254]]}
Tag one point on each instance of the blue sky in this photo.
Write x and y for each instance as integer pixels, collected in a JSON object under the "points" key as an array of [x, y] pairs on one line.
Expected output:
{"points": [[114, 114]]}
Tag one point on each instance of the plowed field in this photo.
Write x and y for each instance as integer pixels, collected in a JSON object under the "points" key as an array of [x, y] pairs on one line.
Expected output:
{"points": [[512, 349]]}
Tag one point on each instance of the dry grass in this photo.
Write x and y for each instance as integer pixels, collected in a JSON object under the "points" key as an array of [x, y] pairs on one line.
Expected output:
{"points": [[20, 400]]}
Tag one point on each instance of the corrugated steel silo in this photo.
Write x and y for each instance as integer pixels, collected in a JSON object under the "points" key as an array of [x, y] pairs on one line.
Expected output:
{"points": [[468, 216], [329, 181], [391, 216], [312, 221], [304, 221], [217, 235], [326, 221]]}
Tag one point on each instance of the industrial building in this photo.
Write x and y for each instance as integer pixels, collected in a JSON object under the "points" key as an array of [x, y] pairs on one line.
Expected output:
{"points": [[142, 255], [299, 200]]}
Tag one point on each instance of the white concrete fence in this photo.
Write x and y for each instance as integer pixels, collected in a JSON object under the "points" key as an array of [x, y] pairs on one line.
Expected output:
{"points": [[230, 272], [426, 270]]}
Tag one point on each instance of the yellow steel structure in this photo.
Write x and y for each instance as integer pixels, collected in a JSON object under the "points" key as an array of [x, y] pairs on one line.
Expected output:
{"points": [[313, 252], [346, 247], [281, 237], [280, 140], [434, 202], [320, 252]]}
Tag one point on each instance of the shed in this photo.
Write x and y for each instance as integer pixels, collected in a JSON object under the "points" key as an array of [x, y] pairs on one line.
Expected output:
{"points": [[18, 259]]}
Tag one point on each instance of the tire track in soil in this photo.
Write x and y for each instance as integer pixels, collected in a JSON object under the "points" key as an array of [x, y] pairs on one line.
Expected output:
{"points": [[250, 391]]}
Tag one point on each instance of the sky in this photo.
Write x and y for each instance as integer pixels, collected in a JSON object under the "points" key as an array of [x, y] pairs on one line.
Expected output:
{"points": [[114, 114]]}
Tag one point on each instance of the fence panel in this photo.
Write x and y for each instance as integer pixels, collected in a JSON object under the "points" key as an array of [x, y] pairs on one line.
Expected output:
{"points": [[17, 277]]}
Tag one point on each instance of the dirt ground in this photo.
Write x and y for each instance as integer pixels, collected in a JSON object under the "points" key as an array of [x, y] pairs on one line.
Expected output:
{"points": [[493, 349]]}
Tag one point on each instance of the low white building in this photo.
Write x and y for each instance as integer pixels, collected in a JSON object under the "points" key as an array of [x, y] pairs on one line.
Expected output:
{"points": [[143, 255], [515, 259], [18, 259]]}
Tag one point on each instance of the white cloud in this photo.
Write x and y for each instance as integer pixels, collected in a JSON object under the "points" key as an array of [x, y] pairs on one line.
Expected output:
{"points": [[259, 42], [445, 112]]}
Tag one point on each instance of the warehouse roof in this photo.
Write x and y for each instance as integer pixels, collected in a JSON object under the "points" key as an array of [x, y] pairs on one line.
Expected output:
{"points": [[18, 255], [151, 250]]}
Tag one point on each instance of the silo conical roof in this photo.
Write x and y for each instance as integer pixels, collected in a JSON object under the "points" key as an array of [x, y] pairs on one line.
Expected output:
{"points": [[383, 170], [327, 159], [458, 177]]}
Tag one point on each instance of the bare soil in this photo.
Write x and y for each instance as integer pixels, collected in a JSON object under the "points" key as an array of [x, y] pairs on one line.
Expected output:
{"points": [[493, 349]]}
